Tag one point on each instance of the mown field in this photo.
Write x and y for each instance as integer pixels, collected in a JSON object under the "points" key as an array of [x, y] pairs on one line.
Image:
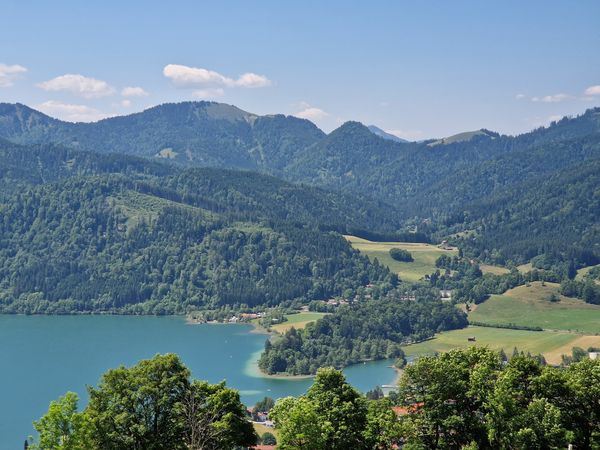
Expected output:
{"points": [[424, 256], [529, 305], [495, 270], [552, 344], [298, 321]]}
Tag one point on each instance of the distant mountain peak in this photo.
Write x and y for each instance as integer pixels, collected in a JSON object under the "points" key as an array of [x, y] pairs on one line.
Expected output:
{"points": [[385, 135], [463, 137]]}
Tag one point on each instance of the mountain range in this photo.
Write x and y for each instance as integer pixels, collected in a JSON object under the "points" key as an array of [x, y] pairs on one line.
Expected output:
{"points": [[503, 199]]}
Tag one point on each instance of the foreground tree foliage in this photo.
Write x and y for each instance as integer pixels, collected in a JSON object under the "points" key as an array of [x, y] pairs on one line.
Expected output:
{"points": [[334, 416], [470, 399], [152, 405], [63, 427], [462, 399]]}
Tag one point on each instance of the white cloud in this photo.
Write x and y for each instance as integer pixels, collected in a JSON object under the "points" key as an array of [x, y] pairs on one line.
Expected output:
{"points": [[520, 96], [71, 112], [195, 77], [208, 93], [556, 98], [409, 135], [311, 113], [133, 91], [78, 84], [252, 80], [126, 103], [8, 74], [593, 90]]}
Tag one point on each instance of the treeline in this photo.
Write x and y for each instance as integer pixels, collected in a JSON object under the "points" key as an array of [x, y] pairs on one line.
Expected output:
{"points": [[508, 326], [587, 290], [369, 330]]}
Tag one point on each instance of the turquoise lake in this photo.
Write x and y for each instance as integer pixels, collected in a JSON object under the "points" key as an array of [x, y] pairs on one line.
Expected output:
{"points": [[42, 357]]}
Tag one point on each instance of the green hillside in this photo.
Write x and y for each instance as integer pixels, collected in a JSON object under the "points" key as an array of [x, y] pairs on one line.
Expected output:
{"points": [[531, 306]]}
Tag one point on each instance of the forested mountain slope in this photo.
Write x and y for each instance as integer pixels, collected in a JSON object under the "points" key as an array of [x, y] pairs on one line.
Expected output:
{"points": [[458, 184], [88, 232], [191, 133]]}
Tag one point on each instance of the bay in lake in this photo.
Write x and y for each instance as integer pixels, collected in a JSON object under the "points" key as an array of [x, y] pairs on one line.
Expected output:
{"points": [[42, 357]]}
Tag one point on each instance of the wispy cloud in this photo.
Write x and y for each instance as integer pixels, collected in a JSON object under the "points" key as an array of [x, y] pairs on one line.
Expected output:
{"points": [[71, 112], [133, 91], [310, 112], [8, 74], [79, 85], [593, 90], [556, 98], [520, 96], [195, 77]]}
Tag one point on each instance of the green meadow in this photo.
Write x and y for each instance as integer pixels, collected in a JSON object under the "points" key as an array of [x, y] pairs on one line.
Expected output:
{"points": [[424, 256], [529, 305], [552, 344], [298, 321]]}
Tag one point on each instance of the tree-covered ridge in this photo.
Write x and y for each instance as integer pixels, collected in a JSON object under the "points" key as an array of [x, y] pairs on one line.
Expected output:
{"points": [[451, 187], [22, 166], [106, 243], [499, 197], [557, 218], [191, 133], [369, 330]]}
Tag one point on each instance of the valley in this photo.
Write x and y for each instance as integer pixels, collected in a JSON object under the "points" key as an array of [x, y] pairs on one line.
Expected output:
{"points": [[291, 226]]}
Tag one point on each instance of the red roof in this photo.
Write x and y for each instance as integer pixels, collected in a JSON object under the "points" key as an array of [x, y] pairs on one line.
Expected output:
{"points": [[264, 447], [404, 410]]}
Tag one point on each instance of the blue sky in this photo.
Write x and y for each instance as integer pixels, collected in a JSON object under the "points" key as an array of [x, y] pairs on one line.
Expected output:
{"points": [[419, 69]]}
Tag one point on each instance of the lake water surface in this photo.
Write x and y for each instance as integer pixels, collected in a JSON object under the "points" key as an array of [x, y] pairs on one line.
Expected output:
{"points": [[42, 357]]}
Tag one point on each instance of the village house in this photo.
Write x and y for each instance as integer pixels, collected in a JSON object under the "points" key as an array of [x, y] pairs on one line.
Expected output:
{"points": [[445, 295]]}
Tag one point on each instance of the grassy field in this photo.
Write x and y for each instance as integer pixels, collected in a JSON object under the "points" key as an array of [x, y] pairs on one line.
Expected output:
{"points": [[298, 321], [424, 256], [524, 268], [496, 270], [581, 273], [552, 344], [528, 305]]}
